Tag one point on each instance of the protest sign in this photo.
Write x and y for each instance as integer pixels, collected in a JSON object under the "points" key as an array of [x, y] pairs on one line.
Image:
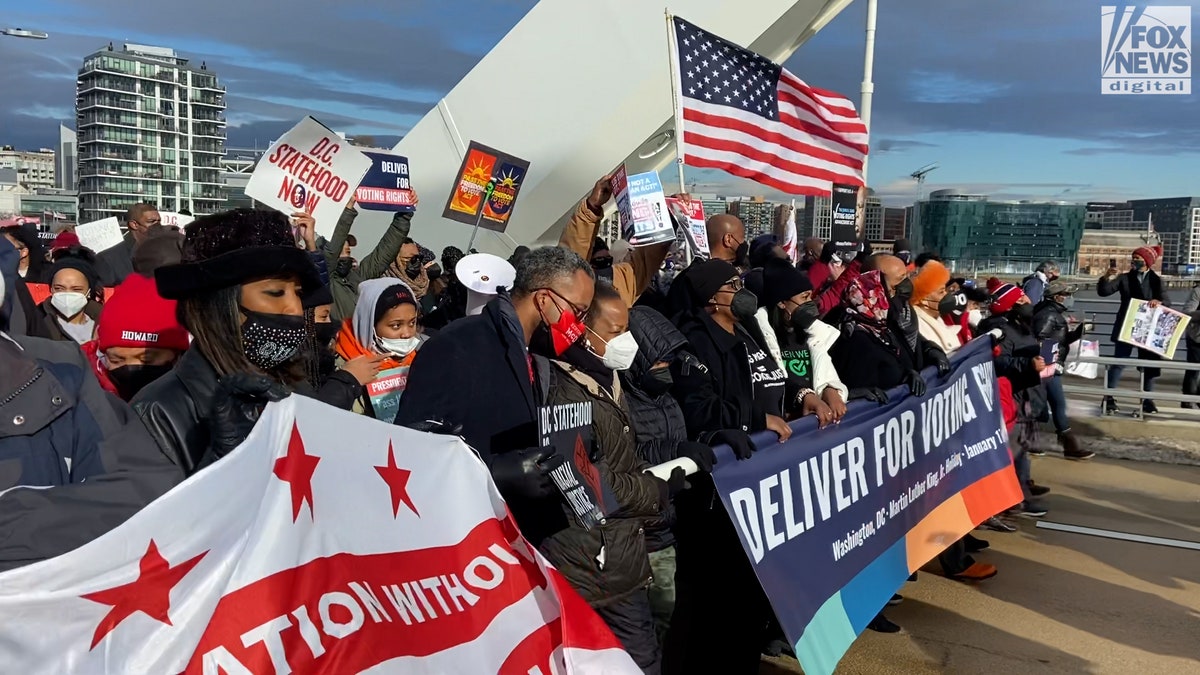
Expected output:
{"points": [[172, 219], [387, 186], [642, 206], [100, 235], [1155, 329], [486, 189], [394, 553], [860, 506], [689, 215], [845, 212], [311, 169], [567, 428], [385, 392]]}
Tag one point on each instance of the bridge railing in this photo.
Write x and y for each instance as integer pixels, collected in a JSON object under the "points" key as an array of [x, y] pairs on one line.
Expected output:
{"points": [[1138, 393]]}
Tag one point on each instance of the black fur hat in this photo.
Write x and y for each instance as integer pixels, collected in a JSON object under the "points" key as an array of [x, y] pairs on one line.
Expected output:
{"points": [[229, 248]]}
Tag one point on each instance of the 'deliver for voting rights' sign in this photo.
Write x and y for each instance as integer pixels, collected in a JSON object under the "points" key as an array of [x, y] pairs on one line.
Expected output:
{"points": [[312, 169], [386, 186], [643, 208]]}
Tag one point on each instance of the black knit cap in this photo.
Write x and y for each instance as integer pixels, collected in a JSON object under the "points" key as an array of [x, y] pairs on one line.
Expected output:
{"points": [[393, 296], [233, 247], [707, 278], [79, 265], [781, 281], [321, 296]]}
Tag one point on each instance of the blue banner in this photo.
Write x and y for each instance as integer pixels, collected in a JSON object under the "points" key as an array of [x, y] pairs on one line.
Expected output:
{"points": [[836, 519]]}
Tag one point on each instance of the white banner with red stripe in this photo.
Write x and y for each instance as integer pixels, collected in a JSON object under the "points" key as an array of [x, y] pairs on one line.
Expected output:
{"points": [[328, 542]]}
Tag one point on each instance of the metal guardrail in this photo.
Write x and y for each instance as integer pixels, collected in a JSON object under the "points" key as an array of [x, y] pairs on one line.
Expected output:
{"points": [[1139, 393]]}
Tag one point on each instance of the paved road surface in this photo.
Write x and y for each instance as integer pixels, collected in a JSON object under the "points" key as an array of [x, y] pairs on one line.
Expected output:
{"points": [[1062, 603]]}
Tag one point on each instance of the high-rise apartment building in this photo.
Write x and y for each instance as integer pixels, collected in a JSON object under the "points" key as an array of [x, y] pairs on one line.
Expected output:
{"points": [[35, 168], [66, 160], [756, 213], [151, 128], [895, 223]]}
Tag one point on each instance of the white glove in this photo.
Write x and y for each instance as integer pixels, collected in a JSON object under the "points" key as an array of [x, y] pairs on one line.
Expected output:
{"points": [[996, 333]]}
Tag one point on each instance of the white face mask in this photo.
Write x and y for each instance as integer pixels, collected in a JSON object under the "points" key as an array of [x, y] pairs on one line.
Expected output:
{"points": [[68, 303], [399, 346], [619, 352], [974, 317]]}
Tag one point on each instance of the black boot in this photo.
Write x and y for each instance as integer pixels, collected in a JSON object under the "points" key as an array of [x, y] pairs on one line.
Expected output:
{"points": [[1071, 449], [1109, 406]]}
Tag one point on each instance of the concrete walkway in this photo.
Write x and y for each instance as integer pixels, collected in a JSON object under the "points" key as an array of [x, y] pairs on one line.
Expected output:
{"points": [[1062, 602]]}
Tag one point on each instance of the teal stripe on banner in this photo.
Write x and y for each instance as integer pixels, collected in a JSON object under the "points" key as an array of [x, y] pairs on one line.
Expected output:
{"points": [[870, 589], [826, 638], [838, 622]]}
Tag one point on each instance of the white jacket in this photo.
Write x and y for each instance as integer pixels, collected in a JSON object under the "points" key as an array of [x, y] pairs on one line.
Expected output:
{"points": [[936, 331], [821, 337]]}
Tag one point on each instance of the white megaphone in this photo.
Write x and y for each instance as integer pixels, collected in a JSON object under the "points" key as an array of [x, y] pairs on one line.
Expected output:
{"points": [[483, 274]]}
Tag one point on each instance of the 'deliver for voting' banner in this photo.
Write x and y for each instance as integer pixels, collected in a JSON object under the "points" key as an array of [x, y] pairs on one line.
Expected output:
{"points": [[835, 520], [301, 553], [387, 185]]}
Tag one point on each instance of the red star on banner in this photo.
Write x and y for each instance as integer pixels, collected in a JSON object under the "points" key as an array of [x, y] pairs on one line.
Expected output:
{"points": [[296, 469], [150, 594], [397, 481]]}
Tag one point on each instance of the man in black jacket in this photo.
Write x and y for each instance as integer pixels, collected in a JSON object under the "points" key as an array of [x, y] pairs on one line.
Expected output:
{"points": [[116, 263], [1140, 283], [479, 373], [1051, 328]]}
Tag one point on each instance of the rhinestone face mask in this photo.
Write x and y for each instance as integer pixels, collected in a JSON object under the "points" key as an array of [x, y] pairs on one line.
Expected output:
{"points": [[269, 340]]}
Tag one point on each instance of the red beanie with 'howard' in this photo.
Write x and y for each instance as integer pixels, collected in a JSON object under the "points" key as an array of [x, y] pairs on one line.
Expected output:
{"points": [[137, 316]]}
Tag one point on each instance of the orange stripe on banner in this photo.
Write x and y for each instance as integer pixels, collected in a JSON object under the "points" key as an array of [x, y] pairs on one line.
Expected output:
{"points": [[992, 494], [942, 527]]}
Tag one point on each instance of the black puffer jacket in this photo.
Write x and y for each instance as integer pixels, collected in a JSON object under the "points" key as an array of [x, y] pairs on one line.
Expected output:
{"points": [[1014, 360], [657, 420], [620, 542], [175, 409], [1050, 323]]}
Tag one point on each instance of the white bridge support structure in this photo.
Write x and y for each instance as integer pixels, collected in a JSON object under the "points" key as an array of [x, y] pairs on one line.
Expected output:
{"points": [[576, 89]]}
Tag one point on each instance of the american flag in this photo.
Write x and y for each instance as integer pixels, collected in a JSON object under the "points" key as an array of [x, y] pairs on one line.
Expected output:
{"points": [[748, 116]]}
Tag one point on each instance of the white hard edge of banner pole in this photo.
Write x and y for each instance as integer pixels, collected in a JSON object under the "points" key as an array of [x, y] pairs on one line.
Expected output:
{"points": [[1123, 536], [664, 470]]}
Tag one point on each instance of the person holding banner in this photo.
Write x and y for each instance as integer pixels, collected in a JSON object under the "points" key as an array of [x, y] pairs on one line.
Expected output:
{"points": [[870, 353], [116, 263], [630, 278], [239, 289], [385, 331], [344, 275]]}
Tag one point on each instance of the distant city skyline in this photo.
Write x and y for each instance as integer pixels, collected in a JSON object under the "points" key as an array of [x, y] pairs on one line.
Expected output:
{"points": [[1017, 115]]}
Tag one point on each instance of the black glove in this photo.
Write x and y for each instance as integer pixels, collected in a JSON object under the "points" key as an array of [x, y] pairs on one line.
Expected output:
{"points": [[916, 384], [739, 440], [437, 426], [677, 482], [526, 472], [869, 394], [939, 359], [237, 404], [701, 454]]}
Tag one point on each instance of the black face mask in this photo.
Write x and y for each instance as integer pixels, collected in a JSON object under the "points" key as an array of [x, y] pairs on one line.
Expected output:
{"points": [[269, 340], [949, 304], [904, 289], [1138, 265], [656, 381], [344, 266], [741, 257], [325, 332], [602, 263], [744, 305], [413, 269], [804, 316], [1023, 313], [129, 380]]}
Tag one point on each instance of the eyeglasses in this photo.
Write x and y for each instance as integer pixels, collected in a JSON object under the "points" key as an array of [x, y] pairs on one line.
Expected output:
{"points": [[734, 284], [580, 314]]}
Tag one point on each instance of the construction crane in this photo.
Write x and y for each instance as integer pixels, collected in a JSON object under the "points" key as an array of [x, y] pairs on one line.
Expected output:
{"points": [[919, 176]]}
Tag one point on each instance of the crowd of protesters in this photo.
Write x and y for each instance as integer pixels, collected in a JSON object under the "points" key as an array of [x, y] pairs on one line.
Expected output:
{"points": [[125, 372]]}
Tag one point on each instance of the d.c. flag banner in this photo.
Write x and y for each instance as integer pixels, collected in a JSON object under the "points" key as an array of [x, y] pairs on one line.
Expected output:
{"points": [[327, 543], [835, 520]]}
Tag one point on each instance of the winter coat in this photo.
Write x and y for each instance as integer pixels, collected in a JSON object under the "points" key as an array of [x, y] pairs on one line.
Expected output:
{"points": [[863, 361], [657, 420], [932, 328], [477, 372], [1130, 287], [54, 331], [58, 429], [1050, 324], [820, 337], [371, 266], [1192, 308], [620, 541], [1034, 287], [1015, 351], [630, 279], [175, 408], [116, 263], [715, 391]]}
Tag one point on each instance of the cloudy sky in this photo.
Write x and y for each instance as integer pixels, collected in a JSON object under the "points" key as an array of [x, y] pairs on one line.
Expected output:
{"points": [[1004, 95]]}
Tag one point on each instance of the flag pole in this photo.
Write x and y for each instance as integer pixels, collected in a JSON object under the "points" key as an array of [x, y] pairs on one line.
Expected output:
{"points": [[673, 60], [868, 86]]}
